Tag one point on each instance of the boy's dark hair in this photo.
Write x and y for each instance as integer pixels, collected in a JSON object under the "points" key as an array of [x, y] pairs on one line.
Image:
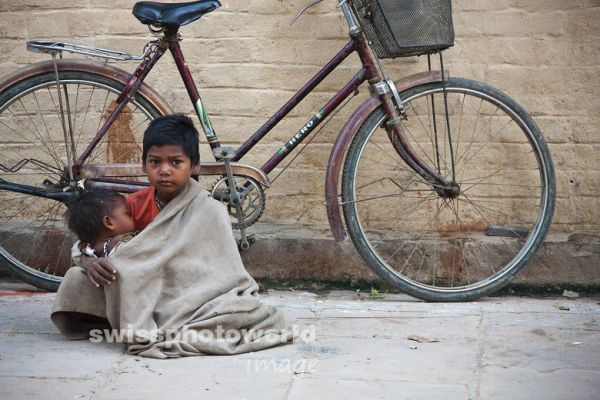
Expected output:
{"points": [[84, 214], [173, 129]]}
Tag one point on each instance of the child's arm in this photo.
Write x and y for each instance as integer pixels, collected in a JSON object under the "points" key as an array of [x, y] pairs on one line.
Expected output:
{"points": [[99, 270]]}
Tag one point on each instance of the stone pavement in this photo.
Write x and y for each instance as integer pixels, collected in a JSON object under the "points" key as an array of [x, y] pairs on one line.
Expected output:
{"points": [[363, 348]]}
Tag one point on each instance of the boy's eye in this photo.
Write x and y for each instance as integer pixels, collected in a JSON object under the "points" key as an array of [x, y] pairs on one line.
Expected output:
{"points": [[154, 162], [177, 162]]}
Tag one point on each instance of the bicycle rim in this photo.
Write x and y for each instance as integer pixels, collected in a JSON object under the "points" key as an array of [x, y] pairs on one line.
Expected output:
{"points": [[438, 246], [34, 241]]}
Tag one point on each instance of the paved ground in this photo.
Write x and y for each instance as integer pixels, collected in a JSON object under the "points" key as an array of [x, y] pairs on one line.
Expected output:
{"points": [[363, 348]]}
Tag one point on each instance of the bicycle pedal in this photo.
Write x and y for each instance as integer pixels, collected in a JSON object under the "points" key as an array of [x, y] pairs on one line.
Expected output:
{"points": [[224, 153], [245, 245]]}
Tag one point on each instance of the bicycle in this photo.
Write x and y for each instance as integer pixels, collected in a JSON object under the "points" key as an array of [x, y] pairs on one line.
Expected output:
{"points": [[447, 186]]}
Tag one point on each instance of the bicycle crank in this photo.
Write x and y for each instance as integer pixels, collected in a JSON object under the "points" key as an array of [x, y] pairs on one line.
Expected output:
{"points": [[244, 198]]}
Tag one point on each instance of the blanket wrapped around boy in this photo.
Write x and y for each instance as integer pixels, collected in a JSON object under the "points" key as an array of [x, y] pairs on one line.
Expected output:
{"points": [[181, 289]]}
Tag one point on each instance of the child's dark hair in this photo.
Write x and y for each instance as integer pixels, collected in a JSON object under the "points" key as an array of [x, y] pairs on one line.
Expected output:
{"points": [[84, 214], [173, 129]]}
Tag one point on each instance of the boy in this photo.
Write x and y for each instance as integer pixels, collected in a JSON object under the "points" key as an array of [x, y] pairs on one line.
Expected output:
{"points": [[170, 155], [100, 218], [182, 288]]}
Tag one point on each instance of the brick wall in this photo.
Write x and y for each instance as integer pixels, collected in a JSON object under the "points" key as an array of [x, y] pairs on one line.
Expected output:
{"points": [[248, 60]]}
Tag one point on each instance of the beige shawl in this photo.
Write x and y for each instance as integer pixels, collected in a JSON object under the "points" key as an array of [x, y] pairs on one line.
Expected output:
{"points": [[181, 289]]}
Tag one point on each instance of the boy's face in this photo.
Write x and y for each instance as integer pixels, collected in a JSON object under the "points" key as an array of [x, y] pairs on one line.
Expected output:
{"points": [[168, 169], [120, 219]]}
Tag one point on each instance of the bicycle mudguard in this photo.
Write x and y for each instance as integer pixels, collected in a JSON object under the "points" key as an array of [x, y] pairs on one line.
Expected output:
{"points": [[344, 139], [85, 66]]}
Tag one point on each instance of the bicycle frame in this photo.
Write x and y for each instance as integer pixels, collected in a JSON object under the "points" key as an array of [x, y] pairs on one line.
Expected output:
{"points": [[171, 42]]}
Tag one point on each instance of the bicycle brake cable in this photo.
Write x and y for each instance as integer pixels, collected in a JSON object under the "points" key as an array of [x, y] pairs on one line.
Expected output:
{"points": [[297, 17]]}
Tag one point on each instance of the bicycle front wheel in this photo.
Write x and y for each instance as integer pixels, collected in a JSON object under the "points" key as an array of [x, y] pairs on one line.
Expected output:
{"points": [[440, 245], [35, 113]]}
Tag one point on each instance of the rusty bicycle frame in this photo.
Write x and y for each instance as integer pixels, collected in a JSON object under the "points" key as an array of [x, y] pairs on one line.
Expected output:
{"points": [[103, 174]]}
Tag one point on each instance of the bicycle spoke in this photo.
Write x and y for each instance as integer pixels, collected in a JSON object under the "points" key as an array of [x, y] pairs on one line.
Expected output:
{"points": [[433, 142], [422, 228], [458, 222], [407, 208], [518, 172], [472, 133], [462, 107], [483, 146], [408, 130], [511, 217], [378, 198], [43, 168], [21, 157], [476, 207], [75, 118], [39, 136], [69, 135], [391, 180], [103, 108], [87, 108], [18, 163], [49, 210], [58, 259], [431, 122], [60, 119], [396, 165], [425, 130], [490, 201], [481, 180], [141, 123], [14, 116], [436, 242], [19, 212]]}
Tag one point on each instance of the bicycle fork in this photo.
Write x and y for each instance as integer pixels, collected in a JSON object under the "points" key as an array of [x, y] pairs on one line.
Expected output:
{"points": [[395, 111]]}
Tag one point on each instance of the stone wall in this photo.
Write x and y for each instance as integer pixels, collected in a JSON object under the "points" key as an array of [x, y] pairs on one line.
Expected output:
{"points": [[248, 60]]}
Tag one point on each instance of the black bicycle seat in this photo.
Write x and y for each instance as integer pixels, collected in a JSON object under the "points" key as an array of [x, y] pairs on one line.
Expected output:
{"points": [[172, 14]]}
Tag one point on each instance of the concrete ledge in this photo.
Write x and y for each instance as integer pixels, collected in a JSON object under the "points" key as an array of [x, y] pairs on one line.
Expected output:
{"points": [[308, 257]]}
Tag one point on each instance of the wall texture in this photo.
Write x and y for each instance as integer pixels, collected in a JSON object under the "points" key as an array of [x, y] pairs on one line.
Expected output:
{"points": [[248, 60]]}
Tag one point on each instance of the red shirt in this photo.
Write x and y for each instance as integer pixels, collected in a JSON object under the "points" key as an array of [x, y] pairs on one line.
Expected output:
{"points": [[142, 207]]}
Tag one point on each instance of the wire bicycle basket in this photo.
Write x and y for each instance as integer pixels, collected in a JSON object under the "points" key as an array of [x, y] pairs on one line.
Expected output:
{"points": [[404, 28]]}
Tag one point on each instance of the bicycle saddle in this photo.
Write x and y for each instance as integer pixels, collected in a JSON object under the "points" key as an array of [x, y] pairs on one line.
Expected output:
{"points": [[172, 14]]}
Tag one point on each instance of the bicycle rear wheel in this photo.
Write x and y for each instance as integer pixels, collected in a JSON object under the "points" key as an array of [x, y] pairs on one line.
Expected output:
{"points": [[34, 242], [440, 246]]}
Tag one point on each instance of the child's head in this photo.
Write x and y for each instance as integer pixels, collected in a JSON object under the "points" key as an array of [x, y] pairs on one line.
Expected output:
{"points": [[174, 129], [170, 155], [98, 213]]}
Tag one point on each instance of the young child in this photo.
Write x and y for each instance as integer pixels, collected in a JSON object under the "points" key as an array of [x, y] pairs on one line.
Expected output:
{"points": [[100, 218]]}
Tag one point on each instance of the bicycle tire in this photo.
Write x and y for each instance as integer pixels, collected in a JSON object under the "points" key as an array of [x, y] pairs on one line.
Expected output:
{"points": [[34, 242], [429, 244]]}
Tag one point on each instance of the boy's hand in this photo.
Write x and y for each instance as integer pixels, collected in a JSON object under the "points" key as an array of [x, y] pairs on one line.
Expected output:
{"points": [[99, 270]]}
